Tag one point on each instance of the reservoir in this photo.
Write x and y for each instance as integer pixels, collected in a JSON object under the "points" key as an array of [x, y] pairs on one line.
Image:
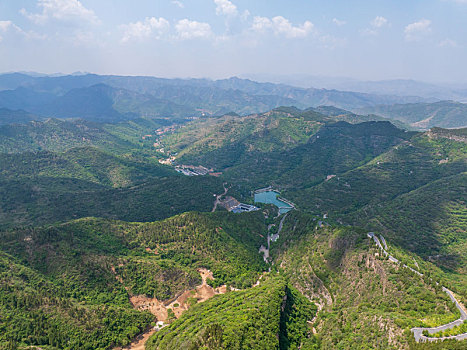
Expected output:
{"points": [[270, 197]]}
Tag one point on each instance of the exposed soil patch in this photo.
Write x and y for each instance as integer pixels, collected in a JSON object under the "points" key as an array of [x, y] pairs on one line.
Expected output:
{"points": [[160, 309]]}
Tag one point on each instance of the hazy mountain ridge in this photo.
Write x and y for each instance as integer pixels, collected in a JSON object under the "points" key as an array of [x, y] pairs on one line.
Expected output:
{"points": [[444, 114], [55, 96], [400, 87]]}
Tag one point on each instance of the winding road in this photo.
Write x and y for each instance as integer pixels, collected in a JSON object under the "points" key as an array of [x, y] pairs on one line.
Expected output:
{"points": [[418, 331], [218, 198]]}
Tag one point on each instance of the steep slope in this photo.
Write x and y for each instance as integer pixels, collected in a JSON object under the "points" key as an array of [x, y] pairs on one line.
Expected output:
{"points": [[430, 221], [86, 163], [269, 316], [366, 301], [83, 274], [286, 147], [8, 116], [414, 163], [444, 114], [337, 148], [58, 135], [37, 311]]}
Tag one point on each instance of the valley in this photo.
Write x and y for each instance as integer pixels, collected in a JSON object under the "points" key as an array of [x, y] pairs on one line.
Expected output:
{"points": [[249, 229]]}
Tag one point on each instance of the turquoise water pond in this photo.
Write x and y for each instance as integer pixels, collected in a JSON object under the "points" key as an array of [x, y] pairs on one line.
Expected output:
{"points": [[270, 197]]}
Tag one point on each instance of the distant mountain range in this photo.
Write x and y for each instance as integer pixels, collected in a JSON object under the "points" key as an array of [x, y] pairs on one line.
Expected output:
{"points": [[115, 98], [399, 87], [445, 114], [110, 99]]}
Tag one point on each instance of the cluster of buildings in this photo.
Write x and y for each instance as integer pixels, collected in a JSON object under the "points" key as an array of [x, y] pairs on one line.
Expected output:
{"points": [[191, 170], [242, 208], [233, 205], [162, 131]]}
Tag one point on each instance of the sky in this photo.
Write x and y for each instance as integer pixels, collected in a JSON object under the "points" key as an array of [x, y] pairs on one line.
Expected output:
{"points": [[363, 39]]}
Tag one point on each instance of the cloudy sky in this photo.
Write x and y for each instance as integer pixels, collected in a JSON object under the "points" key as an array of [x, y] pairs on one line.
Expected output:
{"points": [[365, 39]]}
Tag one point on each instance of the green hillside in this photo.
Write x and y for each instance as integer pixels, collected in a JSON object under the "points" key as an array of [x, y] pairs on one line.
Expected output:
{"points": [[37, 311], [412, 164], [93, 229], [58, 135], [8, 116], [48, 200], [270, 316], [367, 301], [81, 274], [88, 164], [430, 221], [285, 147]]}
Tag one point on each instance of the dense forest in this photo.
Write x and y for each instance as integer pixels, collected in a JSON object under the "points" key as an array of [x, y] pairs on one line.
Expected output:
{"points": [[272, 315], [84, 271], [91, 222]]}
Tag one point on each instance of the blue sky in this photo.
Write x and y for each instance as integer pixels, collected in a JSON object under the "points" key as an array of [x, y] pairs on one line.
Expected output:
{"points": [[365, 39]]}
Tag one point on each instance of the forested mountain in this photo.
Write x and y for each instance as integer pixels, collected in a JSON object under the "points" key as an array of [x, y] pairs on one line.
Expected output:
{"points": [[98, 102], [116, 98], [67, 285], [365, 174], [8, 116], [276, 316], [293, 147], [98, 240], [368, 300], [444, 114]]}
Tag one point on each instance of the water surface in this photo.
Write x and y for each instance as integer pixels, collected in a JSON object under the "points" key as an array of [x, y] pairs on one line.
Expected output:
{"points": [[270, 197]]}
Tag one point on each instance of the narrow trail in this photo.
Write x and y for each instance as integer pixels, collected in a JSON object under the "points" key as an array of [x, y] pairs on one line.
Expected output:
{"points": [[218, 198], [271, 238], [418, 331], [140, 342], [178, 305]]}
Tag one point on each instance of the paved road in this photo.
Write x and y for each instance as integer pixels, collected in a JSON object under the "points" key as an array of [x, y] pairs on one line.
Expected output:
{"points": [[417, 332]]}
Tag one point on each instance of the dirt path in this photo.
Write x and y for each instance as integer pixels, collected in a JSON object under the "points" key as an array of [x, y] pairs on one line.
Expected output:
{"points": [[178, 305], [140, 342], [273, 238], [218, 198]]}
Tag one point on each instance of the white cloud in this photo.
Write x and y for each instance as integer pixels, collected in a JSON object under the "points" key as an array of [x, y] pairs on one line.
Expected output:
{"points": [[448, 43], [225, 7], [10, 27], [245, 15], [338, 22], [379, 22], [369, 32], [415, 31], [62, 10], [375, 26], [178, 3], [150, 27], [282, 27], [261, 24], [6, 25], [187, 29]]}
